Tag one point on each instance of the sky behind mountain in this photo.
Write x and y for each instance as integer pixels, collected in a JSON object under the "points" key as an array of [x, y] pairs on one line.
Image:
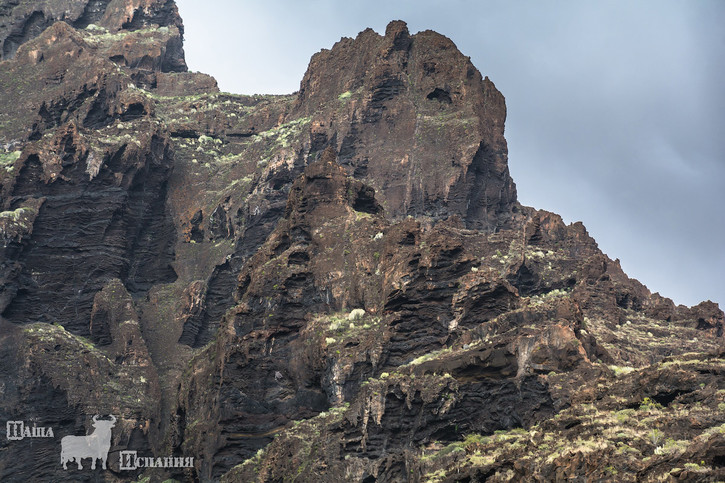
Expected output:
{"points": [[616, 110]]}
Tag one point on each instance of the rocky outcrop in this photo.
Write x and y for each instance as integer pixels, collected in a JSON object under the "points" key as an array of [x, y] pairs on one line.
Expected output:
{"points": [[337, 284], [51, 378], [103, 215], [662, 422], [23, 20], [449, 156], [344, 108], [294, 345]]}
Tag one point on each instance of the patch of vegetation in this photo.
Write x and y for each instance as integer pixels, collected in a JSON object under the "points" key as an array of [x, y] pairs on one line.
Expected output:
{"points": [[672, 446], [656, 436], [284, 133], [7, 159], [622, 370], [649, 405], [17, 214], [537, 300], [430, 356]]}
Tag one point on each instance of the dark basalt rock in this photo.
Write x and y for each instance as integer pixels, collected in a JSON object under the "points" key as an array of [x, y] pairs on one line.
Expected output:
{"points": [[399, 87], [270, 355], [52, 379], [21, 21], [335, 285], [90, 230]]}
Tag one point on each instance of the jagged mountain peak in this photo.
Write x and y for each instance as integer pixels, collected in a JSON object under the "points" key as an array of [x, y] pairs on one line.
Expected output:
{"points": [[406, 88], [346, 267]]}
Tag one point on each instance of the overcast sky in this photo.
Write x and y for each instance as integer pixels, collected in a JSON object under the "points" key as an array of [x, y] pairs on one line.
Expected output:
{"points": [[616, 110]]}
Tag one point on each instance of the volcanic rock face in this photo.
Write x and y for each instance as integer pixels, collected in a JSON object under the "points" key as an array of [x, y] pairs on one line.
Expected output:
{"points": [[450, 156], [335, 285], [22, 20]]}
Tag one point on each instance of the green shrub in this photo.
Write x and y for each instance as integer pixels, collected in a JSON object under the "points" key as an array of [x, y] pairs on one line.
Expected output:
{"points": [[648, 405]]}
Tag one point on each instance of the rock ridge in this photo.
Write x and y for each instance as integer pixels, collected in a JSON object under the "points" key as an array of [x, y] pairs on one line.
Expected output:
{"points": [[406, 87], [333, 285]]}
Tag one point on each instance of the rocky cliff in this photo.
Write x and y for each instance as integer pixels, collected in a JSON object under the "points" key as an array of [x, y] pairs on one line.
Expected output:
{"points": [[334, 285]]}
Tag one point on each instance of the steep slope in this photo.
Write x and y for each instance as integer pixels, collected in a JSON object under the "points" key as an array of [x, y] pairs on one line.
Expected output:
{"points": [[23, 20], [613, 431], [450, 156], [342, 276]]}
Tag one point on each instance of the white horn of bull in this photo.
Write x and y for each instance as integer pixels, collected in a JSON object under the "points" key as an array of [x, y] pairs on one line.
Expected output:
{"points": [[113, 418], [95, 418]]}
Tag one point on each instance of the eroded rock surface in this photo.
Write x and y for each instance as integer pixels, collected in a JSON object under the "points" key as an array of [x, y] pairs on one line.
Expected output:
{"points": [[449, 155], [334, 285]]}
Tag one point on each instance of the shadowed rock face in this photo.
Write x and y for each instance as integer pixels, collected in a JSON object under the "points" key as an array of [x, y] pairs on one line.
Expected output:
{"points": [[335, 285], [90, 230], [23, 20], [53, 379]]}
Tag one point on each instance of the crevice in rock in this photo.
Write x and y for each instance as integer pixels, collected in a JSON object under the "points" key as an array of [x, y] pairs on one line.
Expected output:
{"points": [[665, 398], [199, 329], [30, 28], [92, 14], [134, 111], [525, 280], [97, 116], [30, 177], [197, 232], [440, 95]]}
